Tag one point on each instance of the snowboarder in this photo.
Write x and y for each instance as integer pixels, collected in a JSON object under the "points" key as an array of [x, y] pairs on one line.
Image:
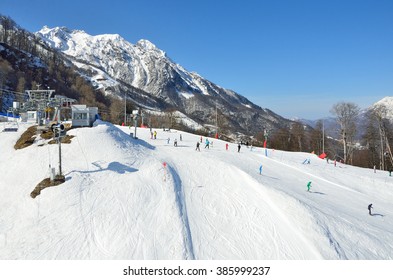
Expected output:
{"points": [[308, 186], [369, 209], [197, 146], [207, 143], [260, 170], [175, 143], [238, 148]]}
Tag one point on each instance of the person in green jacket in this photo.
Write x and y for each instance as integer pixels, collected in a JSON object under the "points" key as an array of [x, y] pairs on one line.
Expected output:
{"points": [[308, 186]]}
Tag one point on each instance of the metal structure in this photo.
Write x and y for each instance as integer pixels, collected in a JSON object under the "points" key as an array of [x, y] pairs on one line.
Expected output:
{"points": [[40, 101], [58, 131], [135, 114]]}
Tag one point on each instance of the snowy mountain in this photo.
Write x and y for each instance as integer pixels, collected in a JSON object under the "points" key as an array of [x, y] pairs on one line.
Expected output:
{"points": [[333, 129], [117, 66], [142, 65], [146, 199], [386, 102]]}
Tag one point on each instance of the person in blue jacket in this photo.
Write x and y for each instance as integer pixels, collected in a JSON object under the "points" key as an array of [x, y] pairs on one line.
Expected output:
{"points": [[207, 143]]}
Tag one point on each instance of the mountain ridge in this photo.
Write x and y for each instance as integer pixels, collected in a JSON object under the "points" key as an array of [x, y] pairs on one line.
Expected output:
{"points": [[115, 65]]}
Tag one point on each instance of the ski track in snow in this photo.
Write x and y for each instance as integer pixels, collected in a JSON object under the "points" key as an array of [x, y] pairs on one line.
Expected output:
{"points": [[278, 214], [182, 208], [312, 175]]}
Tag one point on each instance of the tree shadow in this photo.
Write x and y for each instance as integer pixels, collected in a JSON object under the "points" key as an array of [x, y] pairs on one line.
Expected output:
{"points": [[120, 168], [113, 166]]}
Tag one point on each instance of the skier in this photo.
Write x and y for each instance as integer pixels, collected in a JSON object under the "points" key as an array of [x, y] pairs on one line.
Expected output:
{"points": [[260, 170], [207, 143], [201, 139], [167, 140], [197, 147], [369, 209], [226, 146], [155, 134], [238, 148], [181, 138], [175, 143], [308, 186]]}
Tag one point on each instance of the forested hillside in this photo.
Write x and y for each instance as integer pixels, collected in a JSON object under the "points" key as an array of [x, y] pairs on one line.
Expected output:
{"points": [[27, 63]]}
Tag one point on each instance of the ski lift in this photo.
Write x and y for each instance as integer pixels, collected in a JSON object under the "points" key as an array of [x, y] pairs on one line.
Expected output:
{"points": [[12, 124]]}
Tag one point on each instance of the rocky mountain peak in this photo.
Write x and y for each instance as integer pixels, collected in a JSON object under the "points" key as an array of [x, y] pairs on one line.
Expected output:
{"points": [[123, 67]]}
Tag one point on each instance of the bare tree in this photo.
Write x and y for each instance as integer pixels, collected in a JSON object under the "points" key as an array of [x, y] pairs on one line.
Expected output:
{"points": [[297, 131], [346, 114], [170, 117], [379, 113], [317, 137], [7, 25], [116, 111]]}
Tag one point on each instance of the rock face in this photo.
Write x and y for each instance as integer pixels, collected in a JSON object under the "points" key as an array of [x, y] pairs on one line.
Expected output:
{"points": [[152, 80]]}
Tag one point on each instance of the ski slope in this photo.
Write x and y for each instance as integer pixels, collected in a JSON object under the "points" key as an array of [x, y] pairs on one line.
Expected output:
{"points": [[145, 199]]}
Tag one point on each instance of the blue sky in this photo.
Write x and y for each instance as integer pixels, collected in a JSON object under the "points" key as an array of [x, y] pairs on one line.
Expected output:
{"points": [[295, 57]]}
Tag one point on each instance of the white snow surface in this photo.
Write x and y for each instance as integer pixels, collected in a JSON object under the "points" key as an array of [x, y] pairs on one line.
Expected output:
{"points": [[119, 201]]}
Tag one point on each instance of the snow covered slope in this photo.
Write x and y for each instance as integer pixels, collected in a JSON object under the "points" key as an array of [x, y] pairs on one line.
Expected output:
{"points": [[120, 201]]}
